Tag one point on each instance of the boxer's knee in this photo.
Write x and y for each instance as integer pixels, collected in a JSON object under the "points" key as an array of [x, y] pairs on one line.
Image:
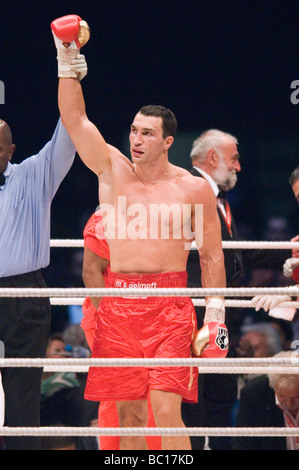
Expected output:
{"points": [[166, 408], [132, 413]]}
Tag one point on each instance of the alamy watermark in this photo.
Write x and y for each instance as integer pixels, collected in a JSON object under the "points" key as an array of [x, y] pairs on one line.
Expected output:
{"points": [[295, 95], [162, 221], [2, 350], [2, 92]]}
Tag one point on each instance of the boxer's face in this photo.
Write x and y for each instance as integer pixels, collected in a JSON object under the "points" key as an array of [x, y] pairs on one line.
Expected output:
{"points": [[146, 139], [6, 152]]}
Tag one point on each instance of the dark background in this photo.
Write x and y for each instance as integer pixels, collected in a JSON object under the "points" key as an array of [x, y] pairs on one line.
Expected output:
{"points": [[221, 64]]}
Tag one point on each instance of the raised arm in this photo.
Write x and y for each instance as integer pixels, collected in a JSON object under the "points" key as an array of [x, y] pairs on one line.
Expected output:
{"points": [[68, 31], [90, 145]]}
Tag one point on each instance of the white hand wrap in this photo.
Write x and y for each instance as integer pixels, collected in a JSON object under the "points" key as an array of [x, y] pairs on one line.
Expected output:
{"points": [[65, 55], [79, 66], [289, 266], [215, 309]]}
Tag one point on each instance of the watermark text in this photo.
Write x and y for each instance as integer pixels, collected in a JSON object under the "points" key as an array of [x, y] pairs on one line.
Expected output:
{"points": [[295, 95], [123, 221], [2, 350], [2, 92]]}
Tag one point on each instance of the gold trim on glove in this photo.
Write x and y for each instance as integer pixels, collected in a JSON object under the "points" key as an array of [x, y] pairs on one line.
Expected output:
{"points": [[84, 33], [201, 340]]}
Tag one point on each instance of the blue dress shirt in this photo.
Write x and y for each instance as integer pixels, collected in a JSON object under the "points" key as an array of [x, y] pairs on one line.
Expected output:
{"points": [[25, 203]]}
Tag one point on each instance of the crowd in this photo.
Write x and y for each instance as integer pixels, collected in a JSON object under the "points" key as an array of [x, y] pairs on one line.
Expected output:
{"points": [[119, 326]]}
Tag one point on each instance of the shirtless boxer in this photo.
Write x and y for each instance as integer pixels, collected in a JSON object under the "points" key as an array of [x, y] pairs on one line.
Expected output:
{"points": [[144, 327]]}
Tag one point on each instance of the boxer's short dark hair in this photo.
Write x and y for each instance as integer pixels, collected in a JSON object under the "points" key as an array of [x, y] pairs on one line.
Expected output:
{"points": [[169, 122]]}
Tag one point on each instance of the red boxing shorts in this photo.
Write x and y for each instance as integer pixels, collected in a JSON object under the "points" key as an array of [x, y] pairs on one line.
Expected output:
{"points": [[146, 327]]}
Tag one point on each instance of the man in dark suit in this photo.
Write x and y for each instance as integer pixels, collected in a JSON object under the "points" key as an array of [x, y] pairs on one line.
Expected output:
{"points": [[215, 157], [269, 401]]}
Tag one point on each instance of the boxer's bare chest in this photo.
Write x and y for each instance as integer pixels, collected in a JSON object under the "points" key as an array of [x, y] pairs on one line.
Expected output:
{"points": [[153, 208]]}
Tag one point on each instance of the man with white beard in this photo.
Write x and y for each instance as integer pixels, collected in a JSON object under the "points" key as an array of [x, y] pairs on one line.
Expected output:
{"points": [[215, 157]]}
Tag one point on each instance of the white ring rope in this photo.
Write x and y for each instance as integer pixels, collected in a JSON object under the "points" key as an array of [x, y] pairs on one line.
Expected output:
{"points": [[206, 366], [148, 292], [212, 365], [200, 431], [196, 302], [69, 243]]}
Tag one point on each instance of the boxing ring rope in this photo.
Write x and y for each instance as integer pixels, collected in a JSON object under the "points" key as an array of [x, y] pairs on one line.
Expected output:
{"points": [[292, 291], [79, 243], [76, 296], [227, 365], [196, 431], [206, 366], [196, 302]]}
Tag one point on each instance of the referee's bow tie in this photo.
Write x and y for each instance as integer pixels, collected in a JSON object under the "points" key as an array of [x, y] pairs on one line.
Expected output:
{"points": [[2, 179]]}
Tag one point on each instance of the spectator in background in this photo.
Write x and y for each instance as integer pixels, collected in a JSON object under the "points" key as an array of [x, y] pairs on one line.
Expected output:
{"points": [[259, 340], [61, 400], [285, 331], [215, 157], [76, 345], [62, 396], [65, 443], [270, 303], [276, 229], [75, 340], [58, 443], [269, 401]]}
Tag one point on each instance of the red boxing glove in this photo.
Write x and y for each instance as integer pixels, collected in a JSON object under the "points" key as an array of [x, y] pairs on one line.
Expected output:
{"points": [[71, 28], [70, 33], [211, 341]]}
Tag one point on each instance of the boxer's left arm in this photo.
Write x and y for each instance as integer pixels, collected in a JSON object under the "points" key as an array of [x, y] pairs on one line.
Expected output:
{"points": [[212, 339], [208, 238]]}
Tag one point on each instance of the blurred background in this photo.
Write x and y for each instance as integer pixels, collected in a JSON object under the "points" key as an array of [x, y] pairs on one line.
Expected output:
{"points": [[227, 65]]}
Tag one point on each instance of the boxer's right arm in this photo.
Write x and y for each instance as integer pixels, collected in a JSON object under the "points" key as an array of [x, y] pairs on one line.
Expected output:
{"points": [[90, 144], [87, 139]]}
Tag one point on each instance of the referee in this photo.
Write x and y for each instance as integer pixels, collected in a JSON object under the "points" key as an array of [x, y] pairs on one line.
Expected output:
{"points": [[26, 193]]}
